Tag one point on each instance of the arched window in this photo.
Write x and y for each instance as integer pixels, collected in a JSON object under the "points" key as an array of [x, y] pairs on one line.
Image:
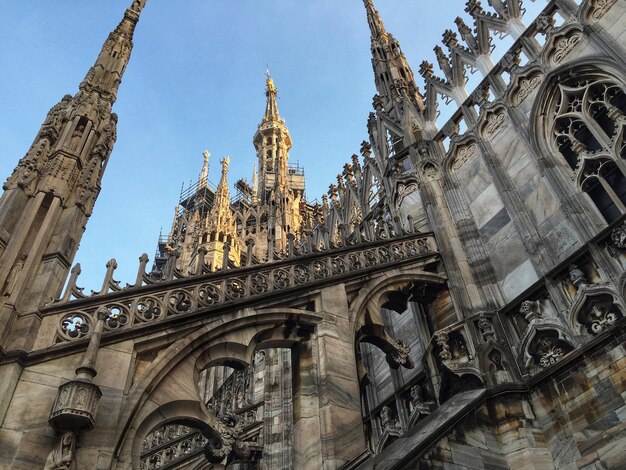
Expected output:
{"points": [[588, 117]]}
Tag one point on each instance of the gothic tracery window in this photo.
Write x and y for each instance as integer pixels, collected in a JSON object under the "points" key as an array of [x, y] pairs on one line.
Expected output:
{"points": [[588, 130]]}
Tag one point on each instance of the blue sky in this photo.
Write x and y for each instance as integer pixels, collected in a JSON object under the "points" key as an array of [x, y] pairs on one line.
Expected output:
{"points": [[196, 82]]}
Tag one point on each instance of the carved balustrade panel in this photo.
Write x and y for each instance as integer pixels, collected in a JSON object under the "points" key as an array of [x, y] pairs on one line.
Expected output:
{"points": [[150, 304]]}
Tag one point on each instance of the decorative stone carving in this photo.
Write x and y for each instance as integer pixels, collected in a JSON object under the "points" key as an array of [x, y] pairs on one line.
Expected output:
{"points": [[63, 456], [560, 43], [601, 318], [229, 429], [77, 400], [399, 354], [403, 191], [169, 445], [523, 82], [442, 338], [492, 122], [594, 10]]}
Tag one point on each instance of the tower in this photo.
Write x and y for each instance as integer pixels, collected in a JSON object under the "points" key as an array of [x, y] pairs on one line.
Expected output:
{"points": [[50, 195], [280, 186]]}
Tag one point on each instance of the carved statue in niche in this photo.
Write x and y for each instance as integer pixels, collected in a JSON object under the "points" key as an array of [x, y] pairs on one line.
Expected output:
{"points": [[618, 236], [496, 361], [107, 137], [62, 457], [418, 402], [386, 419], [486, 329], [14, 273], [77, 136]]}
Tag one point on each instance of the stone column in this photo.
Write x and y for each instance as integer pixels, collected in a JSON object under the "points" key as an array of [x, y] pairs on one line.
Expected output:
{"points": [[341, 423], [307, 440]]}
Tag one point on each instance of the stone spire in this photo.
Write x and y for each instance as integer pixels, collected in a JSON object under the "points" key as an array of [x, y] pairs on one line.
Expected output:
{"points": [[392, 73], [106, 74], [58, 180], [222, 243], [221, 214]]}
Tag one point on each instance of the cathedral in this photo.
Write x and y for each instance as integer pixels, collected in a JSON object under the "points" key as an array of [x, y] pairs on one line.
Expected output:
{"points": [[456, 300]]}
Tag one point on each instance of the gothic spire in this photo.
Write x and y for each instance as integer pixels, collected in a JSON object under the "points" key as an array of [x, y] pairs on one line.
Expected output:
{"points": [[106, 74], [221, 212], [392, 73]]}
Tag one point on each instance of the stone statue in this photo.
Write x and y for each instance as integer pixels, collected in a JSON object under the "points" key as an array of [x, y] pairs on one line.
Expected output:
{"points": [[530, 309], [62, 457], [618, 236], [386, 420], [14, 273], [417, 400], [576, 275], [77, 135]]}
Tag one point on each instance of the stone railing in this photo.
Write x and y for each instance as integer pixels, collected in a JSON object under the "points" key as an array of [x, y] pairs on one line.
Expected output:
{"points": [[154, 303]]}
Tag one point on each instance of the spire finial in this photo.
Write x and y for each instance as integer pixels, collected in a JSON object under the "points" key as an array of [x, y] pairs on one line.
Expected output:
{"points": [[204, 175], [271, 109]]}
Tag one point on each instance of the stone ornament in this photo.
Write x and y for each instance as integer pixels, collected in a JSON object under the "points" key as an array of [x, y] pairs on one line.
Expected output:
{"points": [[14, 273], [76, 405]]}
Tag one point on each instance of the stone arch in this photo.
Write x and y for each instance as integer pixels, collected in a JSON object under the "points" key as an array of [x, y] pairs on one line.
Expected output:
{"points": [[375, 292], [533, 334], [249, 322], [183, 412], [495, 373], [492, 118]]}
